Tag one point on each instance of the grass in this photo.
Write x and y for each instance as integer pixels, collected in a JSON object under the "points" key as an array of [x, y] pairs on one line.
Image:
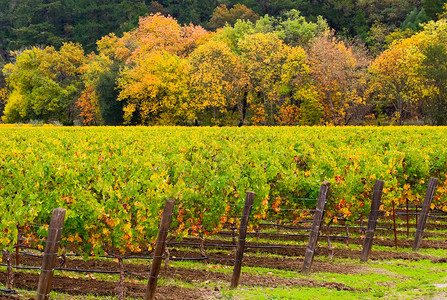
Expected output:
{"points": [[391, 279]]}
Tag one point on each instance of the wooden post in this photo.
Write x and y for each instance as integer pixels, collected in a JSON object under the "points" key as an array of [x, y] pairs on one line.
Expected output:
{"points": [[417, 221], [17, 246], [9, 273], [424, 212], [241, 240], [316, 225], [50, 255], [394, 222], [408, 221], [372, 220], [160, 245]]}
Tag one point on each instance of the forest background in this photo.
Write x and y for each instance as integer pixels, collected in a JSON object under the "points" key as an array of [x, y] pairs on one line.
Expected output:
{"points": [[251, 62]]}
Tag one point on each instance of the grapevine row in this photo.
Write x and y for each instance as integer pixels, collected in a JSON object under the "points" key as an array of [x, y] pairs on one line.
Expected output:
{"points": [[114, 181]]}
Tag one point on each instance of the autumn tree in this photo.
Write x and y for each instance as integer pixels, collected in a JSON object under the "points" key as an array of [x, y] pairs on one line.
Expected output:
{"points": [[301, 102], [218, 80], [153, 82], [44, 84], [264, 54], [395, 79], [222, 15], [125, 63], [278, 73], [337, 68], [91, 72], [155, 90]]}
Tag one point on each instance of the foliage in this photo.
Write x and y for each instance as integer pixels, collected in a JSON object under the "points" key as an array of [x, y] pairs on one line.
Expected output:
{"points": [[44, 84], [156, 85], [433, 69], [410, 74], [222, 16], [106, 90], [92, 71], [222, 77], [395, 79], [113, 181], [337, 70], [295, 30], [217, 79]]}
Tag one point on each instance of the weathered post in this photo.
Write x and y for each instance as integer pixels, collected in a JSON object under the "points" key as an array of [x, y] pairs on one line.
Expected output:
{"points": [[316, 225], [241, 240], [50, 254], [395, 228], [424, 212], [160, 245], [372, 220]]}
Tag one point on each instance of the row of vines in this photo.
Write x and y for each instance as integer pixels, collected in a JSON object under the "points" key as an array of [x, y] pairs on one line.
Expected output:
{"points": [[114, 181]]}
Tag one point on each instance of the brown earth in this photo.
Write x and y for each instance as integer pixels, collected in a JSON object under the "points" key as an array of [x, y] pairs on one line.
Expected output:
{"points": [[290, 250], [429, 244], [86, 284]]}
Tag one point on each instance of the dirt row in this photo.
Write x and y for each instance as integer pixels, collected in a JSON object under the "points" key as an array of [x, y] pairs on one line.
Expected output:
{"points": [[425, 244], [203, 272], [79, 285]]}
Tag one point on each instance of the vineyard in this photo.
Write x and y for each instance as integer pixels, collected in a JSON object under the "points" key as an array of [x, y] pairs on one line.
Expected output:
{"points": [[113, 183]]}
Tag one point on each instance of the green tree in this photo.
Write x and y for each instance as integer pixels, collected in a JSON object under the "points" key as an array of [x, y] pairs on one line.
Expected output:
{"points": [[97, 18], [294, 30], [433, 8], [44, 84], [434, 69], [106, 89], [38, 22], [414, 20], [190, 11]]}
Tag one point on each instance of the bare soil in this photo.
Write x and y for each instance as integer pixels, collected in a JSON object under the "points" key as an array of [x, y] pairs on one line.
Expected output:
{"points": [[86, 284]]}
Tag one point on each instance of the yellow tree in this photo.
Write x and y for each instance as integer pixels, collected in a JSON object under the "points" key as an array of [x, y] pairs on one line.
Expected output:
{"points": [[154, 76], [160, 33], [217, 79], [155, 90], [301, 103], [263, 55], [395, 78]]}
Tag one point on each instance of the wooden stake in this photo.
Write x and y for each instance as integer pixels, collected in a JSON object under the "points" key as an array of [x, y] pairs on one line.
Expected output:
{"points": [[408, 222], [394, 222], [241, 241], [159, 249], [50, 255], [19, 241], [417, 221], [424, 212], [121, 288], [316, 225], [372, 220], [9, 272]]}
